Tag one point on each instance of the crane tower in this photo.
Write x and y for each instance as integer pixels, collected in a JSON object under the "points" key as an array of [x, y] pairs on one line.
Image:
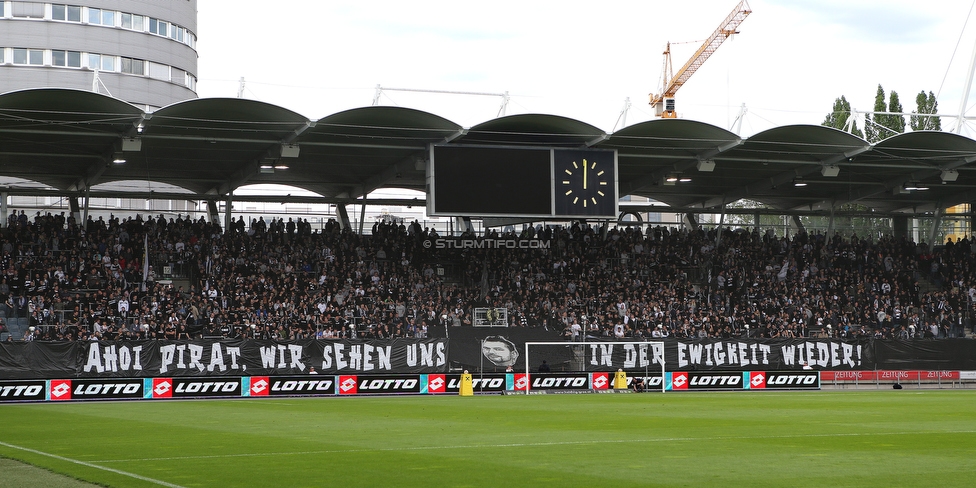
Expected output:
{"points": [[663, 102]]}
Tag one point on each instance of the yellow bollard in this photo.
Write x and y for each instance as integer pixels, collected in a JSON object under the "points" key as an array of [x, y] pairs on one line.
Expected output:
{"points": [[620, 380], [467, 387]]}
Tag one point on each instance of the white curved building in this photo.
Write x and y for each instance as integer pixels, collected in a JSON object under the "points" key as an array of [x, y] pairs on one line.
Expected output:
{"points": [[140, 51]]}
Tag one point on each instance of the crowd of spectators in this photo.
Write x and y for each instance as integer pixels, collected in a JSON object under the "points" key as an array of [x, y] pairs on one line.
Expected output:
{"points": [[284, 280]]}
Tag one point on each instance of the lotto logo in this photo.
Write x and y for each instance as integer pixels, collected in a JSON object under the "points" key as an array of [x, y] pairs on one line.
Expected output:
{"points": [[347, 385], [679, 381], [601, 381], [259, 386], [436, 384], [757, 380], [521, 382], [162, 388], [61, 390]]}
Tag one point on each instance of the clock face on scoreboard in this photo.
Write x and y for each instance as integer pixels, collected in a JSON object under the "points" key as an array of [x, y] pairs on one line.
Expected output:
{"points": [[585, 183]]}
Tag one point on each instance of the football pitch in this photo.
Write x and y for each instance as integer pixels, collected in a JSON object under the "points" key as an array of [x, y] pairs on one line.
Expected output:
{"points": [[824, 438]]}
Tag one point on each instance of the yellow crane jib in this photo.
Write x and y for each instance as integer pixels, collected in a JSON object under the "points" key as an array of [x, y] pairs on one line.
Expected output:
{"points": [[663, 102]]}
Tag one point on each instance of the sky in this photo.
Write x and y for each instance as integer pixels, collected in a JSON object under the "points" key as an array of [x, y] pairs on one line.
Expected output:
{"points": [[583, 60]]}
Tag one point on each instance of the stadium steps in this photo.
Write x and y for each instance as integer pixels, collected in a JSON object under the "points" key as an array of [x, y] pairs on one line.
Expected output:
{"points": [[926, 286], [17, 327]]}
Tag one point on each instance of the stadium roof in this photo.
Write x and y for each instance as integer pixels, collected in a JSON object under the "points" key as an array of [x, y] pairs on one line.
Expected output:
{"points": [[67, 140]]}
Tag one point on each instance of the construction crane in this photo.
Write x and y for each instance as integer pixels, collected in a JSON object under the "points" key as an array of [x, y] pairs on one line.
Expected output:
{"points": [[663, 102]]}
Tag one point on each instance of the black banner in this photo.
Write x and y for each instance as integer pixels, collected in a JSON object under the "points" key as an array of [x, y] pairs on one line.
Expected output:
{"points": [[769, 354], [479, 350], [494, 349], [926, 354], [139, 359]]}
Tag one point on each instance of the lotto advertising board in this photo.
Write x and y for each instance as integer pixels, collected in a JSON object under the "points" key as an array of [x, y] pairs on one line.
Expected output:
{"points": [[23, 391], [435, 384], [784, 380], [261, 386], [195, 387], [96, 389], [162, 388], [748, 380], [378, 385]]}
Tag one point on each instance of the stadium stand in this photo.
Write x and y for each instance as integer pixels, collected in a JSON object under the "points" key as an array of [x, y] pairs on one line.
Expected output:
{"points": [[276, 280]]}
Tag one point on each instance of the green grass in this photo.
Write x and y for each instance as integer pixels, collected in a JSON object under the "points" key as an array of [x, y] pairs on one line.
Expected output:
{"points": [[874, 438]]}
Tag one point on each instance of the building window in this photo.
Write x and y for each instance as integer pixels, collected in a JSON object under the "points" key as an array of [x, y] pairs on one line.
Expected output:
{"points": [[69, 59], [159, 27], [98, 16], [27, 10], [29, 56], [133, 66], [159, 71], [67, 13], [179, 76], [100, 62], [134, 22]]}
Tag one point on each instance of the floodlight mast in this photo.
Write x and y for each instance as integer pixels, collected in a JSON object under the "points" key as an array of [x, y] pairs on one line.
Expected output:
{"points": [[663, 102]]}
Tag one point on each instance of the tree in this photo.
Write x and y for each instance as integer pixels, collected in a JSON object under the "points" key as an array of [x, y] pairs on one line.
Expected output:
{"points": [[873, 127], [839, 117], [892, 121], [926, 104], [884, 125]]}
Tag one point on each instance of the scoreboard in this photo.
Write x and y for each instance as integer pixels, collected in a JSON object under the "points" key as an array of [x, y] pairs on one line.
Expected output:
{"points": [[501, 181]]}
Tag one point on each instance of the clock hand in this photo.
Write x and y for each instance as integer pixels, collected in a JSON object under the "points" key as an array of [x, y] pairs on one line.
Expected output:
{"points": [[584, 174]]}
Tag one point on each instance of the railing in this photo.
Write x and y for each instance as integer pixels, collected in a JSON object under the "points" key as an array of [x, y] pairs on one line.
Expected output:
{"points": [[490, 317]]}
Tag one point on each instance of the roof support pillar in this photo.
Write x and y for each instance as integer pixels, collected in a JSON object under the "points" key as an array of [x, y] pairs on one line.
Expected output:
{"points": [[83, 222], [721, 222], [936, 222], [75, 208], [3, 209], [362, 215], [756, 221], [343, 216], [900, 227], [214, 213], [464, 224], [690, 222], [830, 223], [797, 225]]}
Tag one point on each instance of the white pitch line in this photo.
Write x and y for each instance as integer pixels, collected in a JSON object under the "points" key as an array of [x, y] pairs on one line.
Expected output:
{"points": [[521, 444], [90, 465]]}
